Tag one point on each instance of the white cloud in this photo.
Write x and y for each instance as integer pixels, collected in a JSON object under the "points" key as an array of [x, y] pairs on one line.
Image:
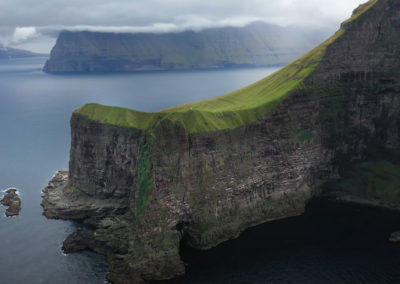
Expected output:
{"points": [[194, 24], [47, 18], [22, 34]]}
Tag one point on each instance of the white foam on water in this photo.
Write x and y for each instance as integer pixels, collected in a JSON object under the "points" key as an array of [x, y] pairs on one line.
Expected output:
{"points": [[17, 190]]}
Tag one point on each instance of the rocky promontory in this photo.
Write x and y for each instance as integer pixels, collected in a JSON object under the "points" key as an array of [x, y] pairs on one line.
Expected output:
{"points": [[201, 173], [13, 201], [62, 201]]}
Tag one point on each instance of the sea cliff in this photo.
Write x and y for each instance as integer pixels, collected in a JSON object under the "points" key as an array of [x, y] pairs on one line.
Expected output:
{"points": [[326, 125]]}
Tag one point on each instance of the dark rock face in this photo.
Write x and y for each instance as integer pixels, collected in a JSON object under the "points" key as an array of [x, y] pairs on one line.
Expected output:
{"points": [[118, 149], [167, 183], [359, 85], [13, 201], [258, 44]]}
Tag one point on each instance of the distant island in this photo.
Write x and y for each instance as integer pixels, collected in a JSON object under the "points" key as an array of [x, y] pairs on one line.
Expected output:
{"points": [[257, 44], [11, 53]]}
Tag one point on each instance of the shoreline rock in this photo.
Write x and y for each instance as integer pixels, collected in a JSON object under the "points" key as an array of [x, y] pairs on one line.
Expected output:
{"points": [[13, 201], [105, 229], [395, 237], [62, 201]]}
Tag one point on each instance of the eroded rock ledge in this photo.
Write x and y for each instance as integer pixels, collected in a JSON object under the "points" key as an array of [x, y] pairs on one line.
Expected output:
{"points": [[13, 201], [63, 201], [109, 231]]}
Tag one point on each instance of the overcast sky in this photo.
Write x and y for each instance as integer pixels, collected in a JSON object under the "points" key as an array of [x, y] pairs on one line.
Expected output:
{"points": [[34, 25]]}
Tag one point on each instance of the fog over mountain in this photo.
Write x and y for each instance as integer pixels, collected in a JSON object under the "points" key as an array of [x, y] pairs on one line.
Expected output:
{"points": [[35, 27]]}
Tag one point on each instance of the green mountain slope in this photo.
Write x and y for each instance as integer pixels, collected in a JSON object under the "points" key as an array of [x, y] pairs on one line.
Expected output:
{"points": [[232, 110]]}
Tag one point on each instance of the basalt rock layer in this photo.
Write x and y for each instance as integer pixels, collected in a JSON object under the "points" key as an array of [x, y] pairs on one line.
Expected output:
{"points": [[142, 182]]}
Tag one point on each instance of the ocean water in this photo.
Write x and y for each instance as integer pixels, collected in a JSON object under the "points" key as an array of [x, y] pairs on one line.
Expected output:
{"points": [[35, 109]]}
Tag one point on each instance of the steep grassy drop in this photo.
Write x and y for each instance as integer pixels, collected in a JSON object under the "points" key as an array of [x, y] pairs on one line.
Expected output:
{"points": [[232, 110]]}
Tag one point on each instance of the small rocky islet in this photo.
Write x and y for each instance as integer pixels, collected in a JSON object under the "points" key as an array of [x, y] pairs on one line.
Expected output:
{"points": [[13, 201]]}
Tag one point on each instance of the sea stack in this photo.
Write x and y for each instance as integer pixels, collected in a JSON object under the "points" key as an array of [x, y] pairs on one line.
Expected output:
{"points": [[13, 201]]}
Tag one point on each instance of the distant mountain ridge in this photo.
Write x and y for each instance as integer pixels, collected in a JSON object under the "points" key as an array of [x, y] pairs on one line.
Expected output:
{"points": [[7, 52], [257, 44]]}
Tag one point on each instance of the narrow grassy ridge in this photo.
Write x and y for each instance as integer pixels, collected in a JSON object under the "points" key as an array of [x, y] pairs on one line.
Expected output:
{"points": [[232, 110]]}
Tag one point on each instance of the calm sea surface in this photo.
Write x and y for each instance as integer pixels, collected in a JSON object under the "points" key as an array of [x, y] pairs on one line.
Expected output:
{"points": [[35, 109]]}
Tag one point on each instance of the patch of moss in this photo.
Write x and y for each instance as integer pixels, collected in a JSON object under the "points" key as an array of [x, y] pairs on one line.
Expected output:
{"points": [[144, 171], [74, 190]]}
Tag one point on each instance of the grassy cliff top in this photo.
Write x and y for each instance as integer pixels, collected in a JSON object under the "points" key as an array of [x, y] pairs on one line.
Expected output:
{"points": [[232, 110]]}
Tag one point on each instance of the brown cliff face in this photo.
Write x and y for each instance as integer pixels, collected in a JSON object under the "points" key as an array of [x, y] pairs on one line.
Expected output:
{"points": [[103, 159], [211, 186]]}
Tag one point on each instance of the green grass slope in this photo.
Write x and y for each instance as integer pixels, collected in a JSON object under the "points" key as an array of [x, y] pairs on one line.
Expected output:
{"points": [[232, 110]]}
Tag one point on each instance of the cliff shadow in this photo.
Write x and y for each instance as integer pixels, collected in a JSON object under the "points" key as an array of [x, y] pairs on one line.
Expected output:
{"points": [[332, 242]]}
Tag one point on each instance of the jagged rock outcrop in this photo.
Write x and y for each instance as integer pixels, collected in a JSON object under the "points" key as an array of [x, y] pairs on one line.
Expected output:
{"points": [[258, 44], [209, 170], [13, 201]]}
